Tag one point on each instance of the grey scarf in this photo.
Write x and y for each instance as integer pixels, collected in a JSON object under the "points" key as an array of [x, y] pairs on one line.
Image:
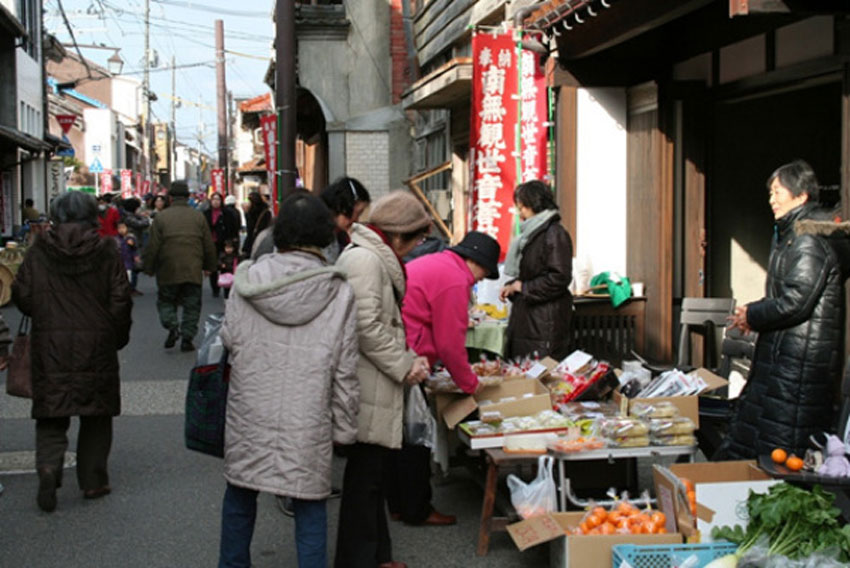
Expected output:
{"points": [[527, 229]]}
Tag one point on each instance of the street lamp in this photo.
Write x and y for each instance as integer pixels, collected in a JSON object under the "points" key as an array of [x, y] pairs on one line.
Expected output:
{"points": [[115, 64]]}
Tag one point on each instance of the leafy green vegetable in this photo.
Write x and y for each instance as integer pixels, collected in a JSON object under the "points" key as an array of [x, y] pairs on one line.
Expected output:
{"points": [[797, 522]]}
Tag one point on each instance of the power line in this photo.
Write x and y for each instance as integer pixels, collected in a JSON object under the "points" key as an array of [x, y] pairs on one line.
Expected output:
{"points": [[169, 68], [73, 39], [213, 10]]}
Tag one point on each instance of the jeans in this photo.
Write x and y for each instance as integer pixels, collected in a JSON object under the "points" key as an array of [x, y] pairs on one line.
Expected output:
{"points": [[238, 514]]}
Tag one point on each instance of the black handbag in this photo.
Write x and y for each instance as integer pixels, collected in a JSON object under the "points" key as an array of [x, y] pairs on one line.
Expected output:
{"points": [[206, 407]]}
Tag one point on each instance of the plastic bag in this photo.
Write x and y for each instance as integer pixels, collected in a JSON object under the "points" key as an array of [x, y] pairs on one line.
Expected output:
{"points": [[538, 496], [211, 349], [420, 426]]}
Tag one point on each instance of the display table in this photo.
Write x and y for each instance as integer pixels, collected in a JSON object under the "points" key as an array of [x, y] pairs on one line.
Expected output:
{"points": [[610, 454], [496, 459], [488, 336]]}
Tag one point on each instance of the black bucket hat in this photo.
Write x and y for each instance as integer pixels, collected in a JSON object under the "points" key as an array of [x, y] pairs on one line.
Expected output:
{"points": [[482, 249]]}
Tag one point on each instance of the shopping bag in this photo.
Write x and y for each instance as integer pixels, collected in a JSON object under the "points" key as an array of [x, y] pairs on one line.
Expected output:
{"points": [[211, 349], [420, 426], [225, 279], [206, 408], [538, 496], [19, 373]]}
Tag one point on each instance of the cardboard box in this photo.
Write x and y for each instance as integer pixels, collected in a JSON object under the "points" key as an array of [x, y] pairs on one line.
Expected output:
{"points": [[512, 398], [720, 488], [688, 405], [583, 551]]}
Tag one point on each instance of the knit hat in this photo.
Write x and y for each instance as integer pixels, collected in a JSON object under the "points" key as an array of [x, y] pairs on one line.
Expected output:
{"points": [[230, 200], [399, 212]]}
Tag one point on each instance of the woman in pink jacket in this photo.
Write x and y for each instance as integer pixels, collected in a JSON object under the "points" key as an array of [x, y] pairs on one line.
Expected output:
{"points": [[436, 317]]}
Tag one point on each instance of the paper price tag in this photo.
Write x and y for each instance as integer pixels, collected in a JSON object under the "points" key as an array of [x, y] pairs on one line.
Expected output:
{"points": [[535, 371]]}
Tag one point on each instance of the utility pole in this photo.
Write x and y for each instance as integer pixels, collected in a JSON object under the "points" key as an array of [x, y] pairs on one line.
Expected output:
{"points": [[285, 96], [173, 148], [146, 93], [221, 96]]}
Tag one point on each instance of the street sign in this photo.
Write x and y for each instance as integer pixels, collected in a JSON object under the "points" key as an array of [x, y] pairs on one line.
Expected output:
{"points": [[66, 121], [96, 167]]}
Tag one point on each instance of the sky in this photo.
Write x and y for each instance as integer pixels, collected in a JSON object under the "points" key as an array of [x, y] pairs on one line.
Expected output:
{"points": [[183, 29]]}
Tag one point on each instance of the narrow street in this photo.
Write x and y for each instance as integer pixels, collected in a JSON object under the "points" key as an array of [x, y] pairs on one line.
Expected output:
{"points": [[165, 507]]}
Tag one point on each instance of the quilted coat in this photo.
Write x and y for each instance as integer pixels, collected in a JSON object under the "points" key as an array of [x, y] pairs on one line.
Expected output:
{"points": [[541, 313], [790, 392], [291, 330], [180, 246], [379, 285], [73, 285]]}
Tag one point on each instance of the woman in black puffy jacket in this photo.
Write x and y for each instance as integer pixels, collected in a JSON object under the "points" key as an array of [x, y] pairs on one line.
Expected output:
{"points": [[790, 392]]}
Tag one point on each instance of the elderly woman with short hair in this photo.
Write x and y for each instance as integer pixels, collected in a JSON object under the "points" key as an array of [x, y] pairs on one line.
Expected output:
{"points": [[790, 393], [73, 285]]}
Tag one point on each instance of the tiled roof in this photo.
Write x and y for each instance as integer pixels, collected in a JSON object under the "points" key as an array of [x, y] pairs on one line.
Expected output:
{"points": [[262, 103]]}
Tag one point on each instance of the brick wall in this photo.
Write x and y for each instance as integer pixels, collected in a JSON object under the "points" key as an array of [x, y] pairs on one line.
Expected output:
{"points": [[367, 157], [398, 51]]}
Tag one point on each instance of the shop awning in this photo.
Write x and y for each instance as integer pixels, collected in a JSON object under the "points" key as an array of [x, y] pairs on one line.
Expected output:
{"points": [[57, 143], [14, 137], [10, 23], [446, 86]]}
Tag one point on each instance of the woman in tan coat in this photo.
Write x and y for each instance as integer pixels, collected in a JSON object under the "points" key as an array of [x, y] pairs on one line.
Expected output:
{"points": [[397, 223], [290, 328]]}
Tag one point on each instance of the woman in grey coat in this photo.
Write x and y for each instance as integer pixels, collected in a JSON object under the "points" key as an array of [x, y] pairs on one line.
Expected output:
{"points": [[291, 330]]}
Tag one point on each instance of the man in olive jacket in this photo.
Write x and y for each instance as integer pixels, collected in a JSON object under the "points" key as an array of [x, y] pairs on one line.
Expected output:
{"points": [[180, 251]]}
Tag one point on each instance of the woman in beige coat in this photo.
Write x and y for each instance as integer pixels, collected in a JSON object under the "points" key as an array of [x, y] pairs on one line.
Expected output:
{"points": [[290, 327], [397, 223]]}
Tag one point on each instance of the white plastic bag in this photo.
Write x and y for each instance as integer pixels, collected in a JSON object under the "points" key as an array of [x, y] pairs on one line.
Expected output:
{"points": [[420, 426], [211, 349], [538, 496]]}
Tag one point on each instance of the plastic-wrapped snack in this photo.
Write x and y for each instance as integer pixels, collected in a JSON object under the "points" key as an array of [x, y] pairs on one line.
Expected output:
{"points": [[478, 428], [672, 426], [491, 417], [489, 381], [659, 409], [623, 427], [552, 419], [629, 441], [485, 368], [510, 425], [527, 423], [674, 440]]}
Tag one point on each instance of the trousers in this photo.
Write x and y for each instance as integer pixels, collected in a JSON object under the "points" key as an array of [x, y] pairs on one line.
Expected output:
{"points": [[172, 296], [93, 444], [363, 538], [239, 514]]}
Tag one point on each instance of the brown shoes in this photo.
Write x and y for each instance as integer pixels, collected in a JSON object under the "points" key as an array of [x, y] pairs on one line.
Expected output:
{"points": [[438, 519], [97, 493]]}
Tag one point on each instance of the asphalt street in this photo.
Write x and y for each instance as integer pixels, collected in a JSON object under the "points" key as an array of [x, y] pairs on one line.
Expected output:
{"points": [[165, 507]]}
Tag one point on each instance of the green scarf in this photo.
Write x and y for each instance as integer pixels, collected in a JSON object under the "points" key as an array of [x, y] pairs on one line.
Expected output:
{"points": [[527, 229]]}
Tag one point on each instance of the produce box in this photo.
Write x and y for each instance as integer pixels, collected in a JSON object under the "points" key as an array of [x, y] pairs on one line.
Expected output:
{"points": [[523, 397], [688, 405], [720, 488], [571, 551]]}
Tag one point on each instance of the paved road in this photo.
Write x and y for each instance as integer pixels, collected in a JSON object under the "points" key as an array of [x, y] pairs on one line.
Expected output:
{"points": [[166, 504]]}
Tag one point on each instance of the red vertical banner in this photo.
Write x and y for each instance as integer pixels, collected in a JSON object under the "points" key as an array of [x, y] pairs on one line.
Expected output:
{"points": [[217, 178], [534, 115], [146, 187], [139, 183], [493, 134], [269, 125], [106, 181], [126, 184]]}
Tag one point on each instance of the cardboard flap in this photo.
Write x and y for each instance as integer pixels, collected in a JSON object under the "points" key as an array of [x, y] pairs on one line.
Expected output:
{"points": [[713, 381], [534, 531], [705, 513], [455, 411]]}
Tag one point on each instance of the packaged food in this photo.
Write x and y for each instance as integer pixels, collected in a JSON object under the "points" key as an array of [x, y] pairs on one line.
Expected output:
{"points": [[622, 427], [552, 419], [629, 441], [659, 409], [574, 445], [674, 440], [672, 426], [490, 416], [478, 428]]}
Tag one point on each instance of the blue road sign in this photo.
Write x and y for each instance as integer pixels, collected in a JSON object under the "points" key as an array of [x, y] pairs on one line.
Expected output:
{"points": [[96, 167]]}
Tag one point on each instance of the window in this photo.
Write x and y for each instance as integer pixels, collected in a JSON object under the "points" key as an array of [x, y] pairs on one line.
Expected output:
{"points": [[431, 147], [28, 14]]}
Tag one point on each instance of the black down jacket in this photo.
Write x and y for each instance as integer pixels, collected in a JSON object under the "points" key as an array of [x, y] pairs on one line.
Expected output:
{"points": [[790, 392], [540, 315]]}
